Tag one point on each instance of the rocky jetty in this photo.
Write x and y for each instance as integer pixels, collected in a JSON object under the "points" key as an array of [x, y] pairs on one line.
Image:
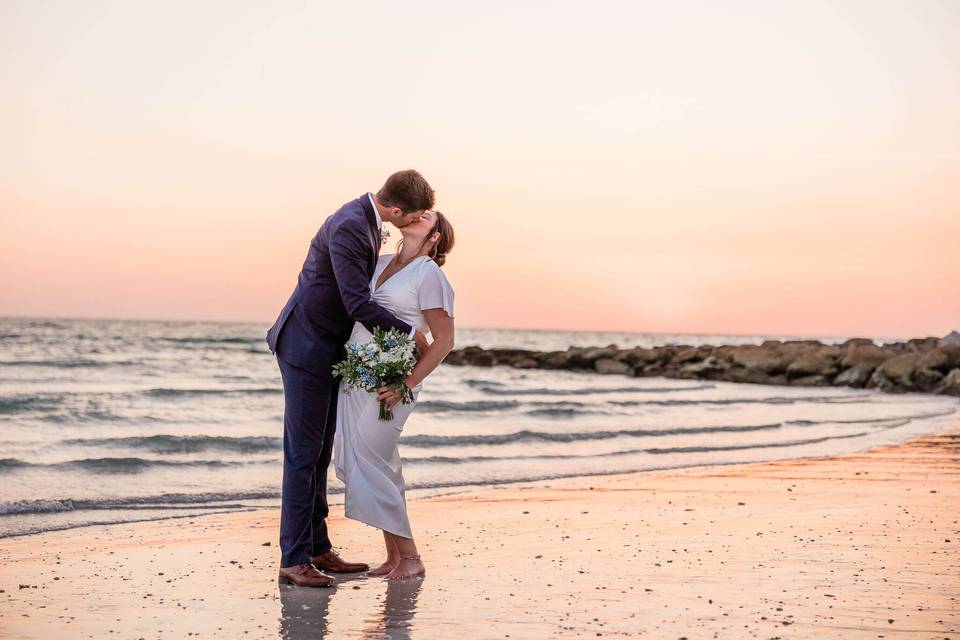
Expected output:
{"points": [[929, 365]]}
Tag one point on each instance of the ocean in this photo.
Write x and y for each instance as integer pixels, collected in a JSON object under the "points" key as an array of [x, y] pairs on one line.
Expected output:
{"points": [[105, 421]]}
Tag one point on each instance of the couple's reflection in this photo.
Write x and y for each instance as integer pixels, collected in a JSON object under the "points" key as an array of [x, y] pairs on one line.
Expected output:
{"points": [[305, 612]]}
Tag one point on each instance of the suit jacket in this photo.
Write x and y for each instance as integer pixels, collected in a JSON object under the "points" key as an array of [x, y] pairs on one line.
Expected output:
{"points": [[333, 291]]}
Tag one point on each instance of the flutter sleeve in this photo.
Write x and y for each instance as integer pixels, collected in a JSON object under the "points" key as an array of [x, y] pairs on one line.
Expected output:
{"points": [[435, 291]]}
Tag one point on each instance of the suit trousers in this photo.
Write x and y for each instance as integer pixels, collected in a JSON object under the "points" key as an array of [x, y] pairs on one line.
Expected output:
{"points": [[309, 423]]}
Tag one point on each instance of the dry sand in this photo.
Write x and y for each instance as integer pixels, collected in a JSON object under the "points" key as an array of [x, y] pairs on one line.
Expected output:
{"points": [[855, 546]]}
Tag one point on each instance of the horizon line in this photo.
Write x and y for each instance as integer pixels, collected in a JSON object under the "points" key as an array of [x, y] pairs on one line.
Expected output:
{"points": [[475, 328]]}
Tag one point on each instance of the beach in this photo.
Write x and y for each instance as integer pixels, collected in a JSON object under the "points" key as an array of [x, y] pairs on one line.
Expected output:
{"points": [[846, 546]]}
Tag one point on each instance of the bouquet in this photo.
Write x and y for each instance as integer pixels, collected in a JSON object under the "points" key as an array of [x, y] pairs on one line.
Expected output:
{"points": [[384, 361]]}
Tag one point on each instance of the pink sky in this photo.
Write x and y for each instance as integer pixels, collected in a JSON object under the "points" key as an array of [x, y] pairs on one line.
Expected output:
{"points": [[750, 167]]}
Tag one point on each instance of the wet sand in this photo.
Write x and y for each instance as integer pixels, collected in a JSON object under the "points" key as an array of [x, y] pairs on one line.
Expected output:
{"points": [[854, 546]]}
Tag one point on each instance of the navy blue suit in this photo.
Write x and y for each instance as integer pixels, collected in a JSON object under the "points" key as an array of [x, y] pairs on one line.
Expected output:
{"points": [[333, 291]]}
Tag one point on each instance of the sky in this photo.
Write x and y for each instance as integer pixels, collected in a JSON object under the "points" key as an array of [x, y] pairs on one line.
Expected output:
{"points": [[777, 168]]}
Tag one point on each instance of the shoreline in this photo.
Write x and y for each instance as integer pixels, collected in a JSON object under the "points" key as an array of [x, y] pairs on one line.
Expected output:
{"points": [[856, 545], [335, 496]]}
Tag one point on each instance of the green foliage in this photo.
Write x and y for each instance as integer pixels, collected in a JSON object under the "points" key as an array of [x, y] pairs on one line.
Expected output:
{"points": [[384, 361]]}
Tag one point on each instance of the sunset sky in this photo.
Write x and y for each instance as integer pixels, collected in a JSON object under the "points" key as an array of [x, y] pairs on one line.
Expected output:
{"points": [[788, 168]]}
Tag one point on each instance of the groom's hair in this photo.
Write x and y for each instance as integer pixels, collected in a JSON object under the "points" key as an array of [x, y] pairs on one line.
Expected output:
{"points": [[407, 190]]}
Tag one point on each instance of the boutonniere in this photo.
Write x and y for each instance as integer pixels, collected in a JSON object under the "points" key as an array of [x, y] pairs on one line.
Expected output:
{"points": [[384, 236]]}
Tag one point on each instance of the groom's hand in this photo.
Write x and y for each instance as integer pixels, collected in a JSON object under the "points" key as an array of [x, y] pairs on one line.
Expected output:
{"points": [[420, 338]]}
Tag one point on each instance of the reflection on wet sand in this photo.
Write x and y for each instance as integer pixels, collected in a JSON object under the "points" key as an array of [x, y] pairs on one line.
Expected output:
{"points": [[304, 611], [399, 605], [307, 613]]}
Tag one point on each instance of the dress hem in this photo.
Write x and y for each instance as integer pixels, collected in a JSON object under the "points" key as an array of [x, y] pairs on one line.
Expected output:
{"points": [[377, 526]]}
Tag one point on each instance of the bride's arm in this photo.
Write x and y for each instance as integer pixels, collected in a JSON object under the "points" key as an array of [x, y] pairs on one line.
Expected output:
{"points": [[441, 326]]}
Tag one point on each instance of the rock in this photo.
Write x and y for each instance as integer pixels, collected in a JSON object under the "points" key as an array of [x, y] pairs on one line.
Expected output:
{"points": [[553, 360], [690, 354], [952, 339], [482, 359], [525, 363], [609, 366], [900, 369], [896, 373], [922, 344], [802, 343], [500, 356], [694, 369], [585, 357], [592, 355], [812, 362], [816, 380], [854, 376], [640, 356], [652, 369], [665, 354], [950, 385], [952, 353], [895, 348], [751, 376], [508, 355], [934, 359], [858, 342], [879, 381], [468, 356], [768, 359], [926, 379], [942, 359], [864, 355], [455, 358]]}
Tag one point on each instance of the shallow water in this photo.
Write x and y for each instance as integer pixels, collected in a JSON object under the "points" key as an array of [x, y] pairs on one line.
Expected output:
{"points": [[109, 421]]}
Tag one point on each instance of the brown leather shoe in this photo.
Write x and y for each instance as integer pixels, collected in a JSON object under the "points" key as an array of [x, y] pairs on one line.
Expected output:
{"points": [[304, 575], [332, 562]]}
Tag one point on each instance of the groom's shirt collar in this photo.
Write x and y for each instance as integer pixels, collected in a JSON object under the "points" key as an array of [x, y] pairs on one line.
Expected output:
{"points": [[373, 204]]}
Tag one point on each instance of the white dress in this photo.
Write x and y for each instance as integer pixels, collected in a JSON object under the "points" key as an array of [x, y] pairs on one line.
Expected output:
{"points": [[365, 452]]}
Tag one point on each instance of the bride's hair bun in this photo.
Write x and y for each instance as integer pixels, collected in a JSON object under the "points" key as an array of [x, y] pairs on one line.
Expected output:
{"points": [[446, 241]]}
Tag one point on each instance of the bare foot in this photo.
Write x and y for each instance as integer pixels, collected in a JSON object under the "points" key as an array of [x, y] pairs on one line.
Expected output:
{"points": [[407, 568], [385, 568]]}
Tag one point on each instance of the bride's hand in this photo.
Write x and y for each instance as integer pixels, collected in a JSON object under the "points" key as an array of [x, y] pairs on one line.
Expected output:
{"points": [[388, 396]]}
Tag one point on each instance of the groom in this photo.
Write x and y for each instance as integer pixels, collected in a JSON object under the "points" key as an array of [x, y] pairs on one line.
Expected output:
{"points": [[332, 292]]}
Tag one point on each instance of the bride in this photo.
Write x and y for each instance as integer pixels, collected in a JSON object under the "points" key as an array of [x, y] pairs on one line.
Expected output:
{"points": [[414, 288]]}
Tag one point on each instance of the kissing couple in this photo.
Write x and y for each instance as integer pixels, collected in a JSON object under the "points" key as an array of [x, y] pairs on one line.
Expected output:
{"points": [[344, 291]]}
